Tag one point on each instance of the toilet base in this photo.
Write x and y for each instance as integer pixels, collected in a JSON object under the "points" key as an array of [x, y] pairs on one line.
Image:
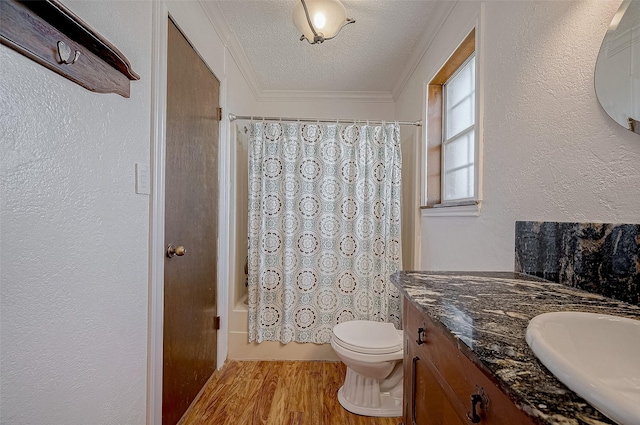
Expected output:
{"points": [[390, 407], [362, 396]]}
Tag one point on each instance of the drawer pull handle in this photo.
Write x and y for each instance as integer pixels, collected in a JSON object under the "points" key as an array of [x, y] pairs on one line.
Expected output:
{"points": [[473, 416], [480, 397], [413, 389], [421, 331]]}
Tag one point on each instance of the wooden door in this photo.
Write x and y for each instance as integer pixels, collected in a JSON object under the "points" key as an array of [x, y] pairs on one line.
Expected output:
{"points": [[191, 221]]}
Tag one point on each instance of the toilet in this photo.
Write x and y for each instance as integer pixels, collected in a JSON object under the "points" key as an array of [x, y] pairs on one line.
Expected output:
{"points": [[372, 352]]}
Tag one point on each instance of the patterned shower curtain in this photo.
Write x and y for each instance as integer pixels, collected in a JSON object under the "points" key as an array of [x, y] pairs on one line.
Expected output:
{"points": [[324, 228]]}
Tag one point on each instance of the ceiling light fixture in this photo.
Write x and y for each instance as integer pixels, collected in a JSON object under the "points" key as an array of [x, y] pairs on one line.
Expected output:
{"points": [[320, 20]]}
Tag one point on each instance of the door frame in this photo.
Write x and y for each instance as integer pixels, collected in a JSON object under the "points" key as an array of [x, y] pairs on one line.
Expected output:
{"points": [[193, 21]]}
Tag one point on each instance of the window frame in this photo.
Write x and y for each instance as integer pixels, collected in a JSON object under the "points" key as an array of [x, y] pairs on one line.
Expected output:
{"points": [[432, 155]]}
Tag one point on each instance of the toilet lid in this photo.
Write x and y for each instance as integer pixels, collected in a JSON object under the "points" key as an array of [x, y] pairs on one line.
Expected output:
{"points": [[367, 337]]}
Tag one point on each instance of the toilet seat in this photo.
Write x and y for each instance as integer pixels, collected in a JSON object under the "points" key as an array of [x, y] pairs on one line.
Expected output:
{"points": [[368, 337]]}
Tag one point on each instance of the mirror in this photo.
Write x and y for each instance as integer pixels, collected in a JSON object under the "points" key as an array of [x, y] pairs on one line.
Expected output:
{"points": [[617, 77]]}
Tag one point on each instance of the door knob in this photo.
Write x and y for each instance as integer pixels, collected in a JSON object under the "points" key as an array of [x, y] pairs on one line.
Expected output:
{"points": [[173, 250]]}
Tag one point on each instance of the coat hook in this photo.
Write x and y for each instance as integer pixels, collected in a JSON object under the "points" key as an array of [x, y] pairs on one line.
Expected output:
{"points": [[64, 53]]}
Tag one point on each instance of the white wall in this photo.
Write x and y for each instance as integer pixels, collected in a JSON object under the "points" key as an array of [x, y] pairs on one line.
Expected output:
{"points": [[550, 151], [330, 108], [74, 236]]}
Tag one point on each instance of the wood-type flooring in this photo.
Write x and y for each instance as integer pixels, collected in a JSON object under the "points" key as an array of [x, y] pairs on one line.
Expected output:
{"points": [[275, 393]]}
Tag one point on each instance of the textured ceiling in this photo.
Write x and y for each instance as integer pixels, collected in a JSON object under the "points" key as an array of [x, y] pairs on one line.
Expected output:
{"points": [[372, 55]]}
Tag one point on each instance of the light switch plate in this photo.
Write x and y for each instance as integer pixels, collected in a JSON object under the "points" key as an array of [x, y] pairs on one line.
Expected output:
{"points": [[143, 179]]}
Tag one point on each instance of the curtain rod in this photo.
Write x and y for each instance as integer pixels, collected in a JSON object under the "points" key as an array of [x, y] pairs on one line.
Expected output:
{"points": [[233, 117]]}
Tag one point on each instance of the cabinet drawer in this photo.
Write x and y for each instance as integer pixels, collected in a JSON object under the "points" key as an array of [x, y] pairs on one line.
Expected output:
{"points": [[459, 377]]}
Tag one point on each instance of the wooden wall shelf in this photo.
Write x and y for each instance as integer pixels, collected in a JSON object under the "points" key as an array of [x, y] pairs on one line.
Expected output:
{"points": [[50, 34]]}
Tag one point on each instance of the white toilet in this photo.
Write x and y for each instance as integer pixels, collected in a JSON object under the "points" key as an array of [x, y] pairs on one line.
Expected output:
{"points": [[372, 352]]}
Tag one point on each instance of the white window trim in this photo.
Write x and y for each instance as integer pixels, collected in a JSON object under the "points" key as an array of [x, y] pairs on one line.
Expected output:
{"points": [[471, 210]]}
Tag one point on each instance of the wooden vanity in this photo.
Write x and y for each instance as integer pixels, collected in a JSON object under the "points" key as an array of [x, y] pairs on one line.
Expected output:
{"points": [[442, 386], [466, 358]]}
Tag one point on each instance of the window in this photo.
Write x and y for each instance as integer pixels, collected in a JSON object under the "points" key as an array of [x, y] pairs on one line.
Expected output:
{"points": [[452, 136], [458, 128]]}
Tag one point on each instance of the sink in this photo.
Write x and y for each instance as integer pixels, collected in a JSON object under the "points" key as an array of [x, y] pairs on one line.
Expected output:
{"points": [[595, 355]]}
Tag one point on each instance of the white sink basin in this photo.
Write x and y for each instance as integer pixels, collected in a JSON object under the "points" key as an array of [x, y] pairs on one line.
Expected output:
{"points": [[596, 355]]}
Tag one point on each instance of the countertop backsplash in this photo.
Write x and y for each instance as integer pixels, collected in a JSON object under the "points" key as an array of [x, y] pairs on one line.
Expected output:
{"points": [[601, 258]]}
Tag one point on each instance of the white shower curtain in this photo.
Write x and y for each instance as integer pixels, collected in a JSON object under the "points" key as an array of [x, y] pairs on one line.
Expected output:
{"points": [[324, 228]]}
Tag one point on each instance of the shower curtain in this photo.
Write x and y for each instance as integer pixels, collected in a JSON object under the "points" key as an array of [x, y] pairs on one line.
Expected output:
{"points": [[324, 228]]}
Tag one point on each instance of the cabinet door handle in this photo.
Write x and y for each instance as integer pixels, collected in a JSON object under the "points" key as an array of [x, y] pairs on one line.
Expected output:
{"points": [[413, 389], [473, 416], [421, 331]]}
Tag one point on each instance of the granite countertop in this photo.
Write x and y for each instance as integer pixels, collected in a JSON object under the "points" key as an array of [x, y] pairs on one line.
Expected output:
{"points": [[486, 314]]}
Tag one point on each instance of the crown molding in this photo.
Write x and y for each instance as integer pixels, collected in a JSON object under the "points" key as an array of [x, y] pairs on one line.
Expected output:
{"points": [[440, 15]]}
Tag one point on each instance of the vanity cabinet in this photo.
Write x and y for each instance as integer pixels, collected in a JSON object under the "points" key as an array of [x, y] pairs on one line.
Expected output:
{"points": [[442, 386]]}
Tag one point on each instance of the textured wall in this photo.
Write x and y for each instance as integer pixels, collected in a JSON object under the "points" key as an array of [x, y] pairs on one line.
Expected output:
{"points": [[550, 152], [74, 235]]}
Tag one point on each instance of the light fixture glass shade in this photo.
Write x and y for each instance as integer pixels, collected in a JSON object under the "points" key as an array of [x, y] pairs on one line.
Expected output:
{"points": [[327, 16]]}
